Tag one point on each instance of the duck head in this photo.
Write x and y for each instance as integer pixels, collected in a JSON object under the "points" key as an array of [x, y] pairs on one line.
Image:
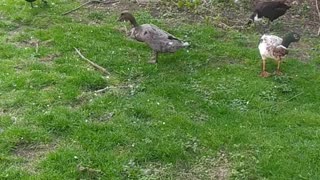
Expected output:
{"points": [[251, 19], [290, 38], [126, 16]]}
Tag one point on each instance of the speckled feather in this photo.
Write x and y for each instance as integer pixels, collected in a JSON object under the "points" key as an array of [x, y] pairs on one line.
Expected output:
{"points": [[270, 47], [156, 38]]}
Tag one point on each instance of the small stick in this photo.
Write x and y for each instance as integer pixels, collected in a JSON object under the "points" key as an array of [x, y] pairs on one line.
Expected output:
{"points": [[37, 47], [92, 1], [68, 12], [292, 98], [47, 41], [100, 1], [299, 94], [87, 169], [111, 87], [92, 63], [318, 14]]}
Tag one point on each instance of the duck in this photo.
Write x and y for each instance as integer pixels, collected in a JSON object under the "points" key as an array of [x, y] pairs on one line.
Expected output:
{"points": [[274, 47], [31, 2], [157, 39], [271, 10]]}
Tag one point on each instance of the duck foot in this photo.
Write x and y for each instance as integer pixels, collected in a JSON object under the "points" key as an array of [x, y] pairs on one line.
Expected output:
{"points": [[154, 58], [45, 3], [266, 30], [264, 74], [279, 73], [152, 62]]}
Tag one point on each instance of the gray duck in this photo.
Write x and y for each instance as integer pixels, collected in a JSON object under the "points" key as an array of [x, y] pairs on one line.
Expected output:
{"points": [[158, 40]]}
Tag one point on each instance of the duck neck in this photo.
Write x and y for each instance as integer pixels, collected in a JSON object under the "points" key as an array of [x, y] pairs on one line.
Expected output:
{"points": [[286, 42], [133, 21]]}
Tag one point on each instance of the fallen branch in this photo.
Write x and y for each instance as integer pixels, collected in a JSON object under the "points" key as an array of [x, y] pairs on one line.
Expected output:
{"points": [[37, 47], [89, 170], [112, 87], [68, 12], [318, 15], [282, 102], [92, 1], [103, 2], [92, 63]]}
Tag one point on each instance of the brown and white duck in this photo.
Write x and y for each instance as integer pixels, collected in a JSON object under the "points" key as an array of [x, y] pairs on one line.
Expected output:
{"points": [[274, 47], [158, 40]]}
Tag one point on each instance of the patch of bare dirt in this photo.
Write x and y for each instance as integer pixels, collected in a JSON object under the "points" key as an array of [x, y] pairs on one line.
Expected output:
{"points": [[218, 168], [209, 168], [50, 57], [33, 154], [2, 112], [32, 42], [13, 34], [301, 18]]}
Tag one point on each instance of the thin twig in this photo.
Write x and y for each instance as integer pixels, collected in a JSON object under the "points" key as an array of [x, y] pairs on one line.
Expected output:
{"points": [[47, 41], [103, 2], [318, 15], [37, 47], [111, 87], [92, 1], [292, 98], [88, 169], [282, 101], [68, 12], [92, 63]]}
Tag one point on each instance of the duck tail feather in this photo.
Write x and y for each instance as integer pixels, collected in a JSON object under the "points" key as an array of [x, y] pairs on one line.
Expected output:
{"points": [[185, 44]]}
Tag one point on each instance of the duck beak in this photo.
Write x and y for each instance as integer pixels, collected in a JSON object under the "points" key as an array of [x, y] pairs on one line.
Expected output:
{"points": [[249, 22], [251, 19]]}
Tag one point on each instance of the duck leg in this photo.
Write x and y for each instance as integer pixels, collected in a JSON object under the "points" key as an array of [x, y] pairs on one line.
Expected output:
{"points": [[264, 73], [31, 4], [45, 2], [269, 26], [154, 57], [278, 72], [266, 28]]}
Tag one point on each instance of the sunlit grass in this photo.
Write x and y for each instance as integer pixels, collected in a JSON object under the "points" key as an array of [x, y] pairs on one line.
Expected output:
{"points": [[197, 112]]}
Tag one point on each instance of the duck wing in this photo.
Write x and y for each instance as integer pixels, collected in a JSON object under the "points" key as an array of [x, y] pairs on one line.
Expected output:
{"points": [[271, 9], [150, 32], [268, 44], [158, 39], [264, 5], [280, 51], [271, 40], [153, 33]]}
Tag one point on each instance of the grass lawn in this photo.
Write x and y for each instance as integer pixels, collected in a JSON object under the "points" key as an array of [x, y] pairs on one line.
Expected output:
{"points": [[201, 113]]}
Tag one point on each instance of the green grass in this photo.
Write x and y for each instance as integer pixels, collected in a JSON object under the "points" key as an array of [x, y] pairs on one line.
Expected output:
{"points": [[197, 112]]}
